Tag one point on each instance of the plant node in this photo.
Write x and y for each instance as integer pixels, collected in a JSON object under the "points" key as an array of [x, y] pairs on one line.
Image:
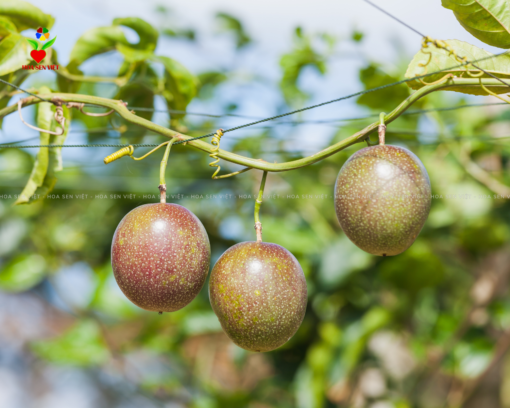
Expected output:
{"points": [[162, 192]]}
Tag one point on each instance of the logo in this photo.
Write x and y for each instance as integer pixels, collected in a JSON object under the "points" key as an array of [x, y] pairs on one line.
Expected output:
{"points": [[38, 53]]}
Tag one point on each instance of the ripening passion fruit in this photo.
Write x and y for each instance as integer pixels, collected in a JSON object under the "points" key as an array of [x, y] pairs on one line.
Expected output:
{"points": [[160, 256], [382, 199], [258, 291]]}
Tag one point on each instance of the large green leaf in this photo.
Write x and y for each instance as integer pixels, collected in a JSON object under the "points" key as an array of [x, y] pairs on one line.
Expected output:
{"points": [[103, 39], [13, 53], [22, 273], [25, 15], [82, 345], [94, 42], [487, 20], [147, 33], [180, 84], [441, 60]]}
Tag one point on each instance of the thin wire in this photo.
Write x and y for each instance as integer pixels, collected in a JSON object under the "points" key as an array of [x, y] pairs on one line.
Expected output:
{"points": [[24, 90], [341, 99], [423, 35], [394, 18], [309, 107], [141, 109], [82, 145], [415, 112]]}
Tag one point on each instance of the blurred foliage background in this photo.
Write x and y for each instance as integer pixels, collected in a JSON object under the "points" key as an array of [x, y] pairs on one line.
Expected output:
{"points": [[428, 328]]}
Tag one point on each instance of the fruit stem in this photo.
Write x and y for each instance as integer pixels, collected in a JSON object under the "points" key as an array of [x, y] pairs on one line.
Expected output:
{"points": [[162, 170], [382, 129], [258, 203]]}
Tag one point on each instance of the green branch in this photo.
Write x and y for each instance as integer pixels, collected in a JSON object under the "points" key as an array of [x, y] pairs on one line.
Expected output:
{"points": [[260, 164]]}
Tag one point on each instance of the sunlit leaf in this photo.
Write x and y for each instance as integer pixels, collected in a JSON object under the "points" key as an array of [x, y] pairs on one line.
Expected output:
{"points": [[133, 55], [82, 345], [25, 15], [487, 20], [6, 27], [22, 273], [147, 33], [94, 42], [180, 84], [441, 60], [13, 53]]}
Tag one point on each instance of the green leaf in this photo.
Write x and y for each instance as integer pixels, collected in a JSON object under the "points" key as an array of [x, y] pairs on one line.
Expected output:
{"points": [[137, 95], [6, 27], [83, 345], [428, 270], [22, 273], [231, 24], [180, 85], [487, 20], [13, 53], [64, 84], [94, 42], [373, 76], [25, 15], [133, 55], [147, 33], [49, 160], [498, 66], [38, 175], [48, 44], [208, 82], [293, 63]]}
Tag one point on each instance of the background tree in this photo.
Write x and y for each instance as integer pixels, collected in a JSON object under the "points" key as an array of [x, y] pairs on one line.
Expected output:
{"points": [[426, 328]]}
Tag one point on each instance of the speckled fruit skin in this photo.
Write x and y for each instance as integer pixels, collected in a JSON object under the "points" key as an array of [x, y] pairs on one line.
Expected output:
{"points": [[382, 199], [258, 291], [160, 256]]}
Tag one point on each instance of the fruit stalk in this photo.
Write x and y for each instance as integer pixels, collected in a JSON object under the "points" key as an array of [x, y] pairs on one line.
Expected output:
{"points": [[258, 203], [162, 169], [382, 129]]}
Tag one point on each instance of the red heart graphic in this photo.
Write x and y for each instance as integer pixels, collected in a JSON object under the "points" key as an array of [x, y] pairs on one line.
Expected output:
{"points": [[38, 55]]}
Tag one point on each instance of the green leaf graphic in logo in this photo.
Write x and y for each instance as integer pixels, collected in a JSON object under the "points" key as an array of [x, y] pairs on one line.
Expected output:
{"points": [[33, 43], [48, 44]]}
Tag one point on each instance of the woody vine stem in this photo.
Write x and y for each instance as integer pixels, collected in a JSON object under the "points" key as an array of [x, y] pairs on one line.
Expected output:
{"points": [[362, 135]]}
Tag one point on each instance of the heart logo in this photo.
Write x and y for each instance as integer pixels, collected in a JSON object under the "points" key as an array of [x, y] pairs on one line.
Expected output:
{"points": [[38, 55]]}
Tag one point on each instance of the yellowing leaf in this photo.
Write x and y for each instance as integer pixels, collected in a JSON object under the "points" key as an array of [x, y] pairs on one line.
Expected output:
{"points": [[441, 60]]}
